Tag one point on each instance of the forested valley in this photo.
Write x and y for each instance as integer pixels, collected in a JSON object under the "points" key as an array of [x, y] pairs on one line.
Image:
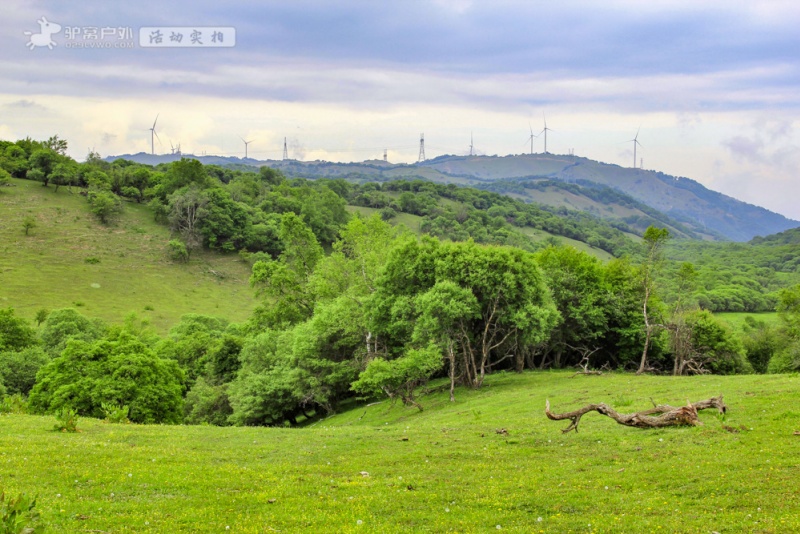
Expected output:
{"points": [[371, 290]]}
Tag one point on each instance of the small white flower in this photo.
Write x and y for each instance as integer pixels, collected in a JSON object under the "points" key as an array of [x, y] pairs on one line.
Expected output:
{"points": [[359, 522], [58, 495], [660, 439], [227, 527], [606, 487], [498, 527], [130, 475], [539, 519], [447, 509]]}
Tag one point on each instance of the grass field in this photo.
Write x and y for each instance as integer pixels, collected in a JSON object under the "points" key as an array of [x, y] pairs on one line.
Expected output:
{"points": [[378, 468], [70, 260], [737, 319]]}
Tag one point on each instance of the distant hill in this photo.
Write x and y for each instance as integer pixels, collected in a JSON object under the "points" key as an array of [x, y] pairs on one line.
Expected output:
{"points": [[646, 197]]}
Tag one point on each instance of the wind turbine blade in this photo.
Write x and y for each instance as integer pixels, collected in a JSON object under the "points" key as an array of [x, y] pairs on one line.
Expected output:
{"points": [[155, 121], [157, 137]]}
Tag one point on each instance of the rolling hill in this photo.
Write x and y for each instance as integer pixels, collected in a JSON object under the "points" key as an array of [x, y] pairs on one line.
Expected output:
{"points": [[642, 197]]}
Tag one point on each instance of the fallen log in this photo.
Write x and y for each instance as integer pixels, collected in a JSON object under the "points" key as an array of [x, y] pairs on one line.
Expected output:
{"points": [[659, 416]]}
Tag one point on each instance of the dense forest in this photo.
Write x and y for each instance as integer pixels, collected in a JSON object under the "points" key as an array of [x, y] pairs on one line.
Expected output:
{"points": [[360, 306]]}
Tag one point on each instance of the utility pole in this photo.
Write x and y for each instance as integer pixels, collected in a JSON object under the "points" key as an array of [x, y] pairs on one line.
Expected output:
{"points": [[421, 148]]}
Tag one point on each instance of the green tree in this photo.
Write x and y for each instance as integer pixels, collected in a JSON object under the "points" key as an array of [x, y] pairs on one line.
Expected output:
{"points": [[400, 377], [285, 281], [42, 162], [104, 205], [15, 332], [445, 313], [121, 371], [65, 324], [187, 209], [581, 295], [18, 368], [28, 223], [654, 241]]}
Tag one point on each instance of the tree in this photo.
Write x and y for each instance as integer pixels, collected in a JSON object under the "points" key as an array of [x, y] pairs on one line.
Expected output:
{"points": [[18, 368], [43, 161], [119, 370], [445, 313], [581, 296], [187, 209], [65, 324], [15, 332], [28, 223], [104, 205], [654, 241], [400, 377], [285, 281]]}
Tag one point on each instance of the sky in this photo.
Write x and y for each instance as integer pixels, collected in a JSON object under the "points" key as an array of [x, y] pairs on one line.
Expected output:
{"points": [[711, 87]]}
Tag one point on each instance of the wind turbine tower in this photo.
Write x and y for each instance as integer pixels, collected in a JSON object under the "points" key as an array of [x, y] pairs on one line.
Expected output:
{"points": [[385, 155], [531, 137], [471, 146], [635, 142], [421, 148], [245, 146], [544, 131], [285, 149], [153, 134]]}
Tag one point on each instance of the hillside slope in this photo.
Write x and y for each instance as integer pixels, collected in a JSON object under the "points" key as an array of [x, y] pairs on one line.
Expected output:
{"points": [[70, 260], [686, 206]]}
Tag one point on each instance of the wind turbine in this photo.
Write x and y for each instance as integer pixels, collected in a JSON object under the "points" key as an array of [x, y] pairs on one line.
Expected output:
{"points": [[153, 133], [531, 137], [635, 142], [544, 131], [471, 146], [245, 146]]}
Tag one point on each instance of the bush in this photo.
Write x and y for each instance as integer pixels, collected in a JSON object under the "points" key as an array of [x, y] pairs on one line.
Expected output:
{"points": [[18, 515], [786, 360], [14, 404], [121, 371], [18, 369], [177, 250], [115, 413], [66, 420]]}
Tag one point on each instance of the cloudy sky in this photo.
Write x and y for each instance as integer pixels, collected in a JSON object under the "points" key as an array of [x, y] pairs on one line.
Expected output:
{"points": [[713, 87]]}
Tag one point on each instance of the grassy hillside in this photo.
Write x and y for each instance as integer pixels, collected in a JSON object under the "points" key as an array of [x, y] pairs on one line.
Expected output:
{"points": [[70, 260], [489, 461]]}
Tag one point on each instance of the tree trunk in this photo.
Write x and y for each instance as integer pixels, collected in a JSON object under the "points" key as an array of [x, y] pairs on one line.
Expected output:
{"points": [[451, 355], [668, 415]]}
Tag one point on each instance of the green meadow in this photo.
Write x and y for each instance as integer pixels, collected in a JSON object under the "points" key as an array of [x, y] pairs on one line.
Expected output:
{"points": [[489, 461], [70, 260]]}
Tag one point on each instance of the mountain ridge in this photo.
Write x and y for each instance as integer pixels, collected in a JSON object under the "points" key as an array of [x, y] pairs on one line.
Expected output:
{"points": [[706, 213]]}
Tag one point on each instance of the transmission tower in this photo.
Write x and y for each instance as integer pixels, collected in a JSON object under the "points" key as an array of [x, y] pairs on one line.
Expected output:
{"points": [[421, 148], [385, 156], [285, 149]]}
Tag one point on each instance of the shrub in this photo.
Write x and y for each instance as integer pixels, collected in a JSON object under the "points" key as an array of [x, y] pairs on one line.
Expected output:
{"points": [[115, 413], [18, 515], [18, 369], [177, 250], [66, 420], [14, 404]]}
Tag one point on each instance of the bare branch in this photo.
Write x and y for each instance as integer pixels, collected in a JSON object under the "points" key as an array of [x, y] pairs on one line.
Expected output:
{"points": [[668, 415]]}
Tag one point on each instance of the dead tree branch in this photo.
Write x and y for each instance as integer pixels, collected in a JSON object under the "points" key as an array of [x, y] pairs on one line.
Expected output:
{"points": [[656, 417]]}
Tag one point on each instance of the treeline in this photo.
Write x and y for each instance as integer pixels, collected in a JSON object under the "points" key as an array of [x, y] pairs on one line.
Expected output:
{"points": [[239, 210], [381, 314], [737, 277]]}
